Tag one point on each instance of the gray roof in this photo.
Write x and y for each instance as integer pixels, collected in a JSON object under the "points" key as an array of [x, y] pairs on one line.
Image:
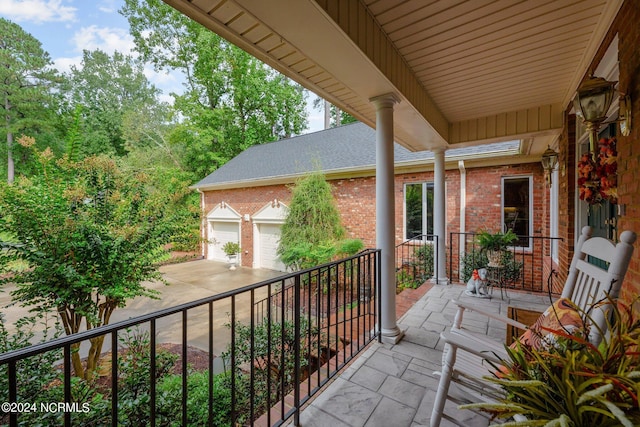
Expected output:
{"points": [[348, 147]]}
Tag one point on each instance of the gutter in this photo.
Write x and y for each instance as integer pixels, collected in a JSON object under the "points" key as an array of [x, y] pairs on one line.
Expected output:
{"points": [[463, 210], [203, 222]]}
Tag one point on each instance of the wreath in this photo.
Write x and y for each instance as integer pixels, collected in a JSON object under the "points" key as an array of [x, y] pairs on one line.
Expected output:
{"points": [[598, 179]]}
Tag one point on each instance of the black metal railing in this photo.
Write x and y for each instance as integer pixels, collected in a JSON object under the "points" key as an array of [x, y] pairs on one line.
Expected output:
{"points": [[415, 261], [529, 266], [262, 364]]}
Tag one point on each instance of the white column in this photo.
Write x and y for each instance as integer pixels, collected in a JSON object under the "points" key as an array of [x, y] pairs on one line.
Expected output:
{"points": [[439, 214], [385, 214]]}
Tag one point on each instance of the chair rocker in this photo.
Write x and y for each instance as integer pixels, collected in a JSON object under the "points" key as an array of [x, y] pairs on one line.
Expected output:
{"points": [[466, 353]]}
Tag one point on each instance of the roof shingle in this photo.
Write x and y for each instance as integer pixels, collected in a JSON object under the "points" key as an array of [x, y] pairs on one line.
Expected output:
{"points": [[345, 147]]}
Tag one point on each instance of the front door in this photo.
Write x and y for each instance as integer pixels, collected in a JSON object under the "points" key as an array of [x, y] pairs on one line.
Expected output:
{"points": [[603, 217]]}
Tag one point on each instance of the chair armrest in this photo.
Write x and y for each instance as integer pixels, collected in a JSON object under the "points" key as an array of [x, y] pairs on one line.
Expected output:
{"points": [[477, 345], [462, 306]]}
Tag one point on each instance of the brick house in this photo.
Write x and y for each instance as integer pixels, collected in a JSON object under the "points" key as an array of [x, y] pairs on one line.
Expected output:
{"points": [[444, 80], [491, 186]]}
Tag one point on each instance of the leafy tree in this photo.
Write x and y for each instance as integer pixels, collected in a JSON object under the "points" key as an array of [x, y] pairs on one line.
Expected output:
{"points": [[232, 100], [26, 87], [112, 91], [90, 235], [312, 232]]}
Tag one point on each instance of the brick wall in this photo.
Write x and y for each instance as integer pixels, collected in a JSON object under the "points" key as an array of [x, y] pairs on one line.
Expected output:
{"points": [[628, 27], [245, 201], [628, 30], [355, 198], [566, 196]]}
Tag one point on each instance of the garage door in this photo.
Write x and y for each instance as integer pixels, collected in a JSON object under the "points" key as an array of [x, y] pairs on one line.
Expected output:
{"points": [[221, 233], [269, 239]]}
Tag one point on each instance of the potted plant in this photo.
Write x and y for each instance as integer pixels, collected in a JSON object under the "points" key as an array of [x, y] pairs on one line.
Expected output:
{"points": [[232, 249], [571, 381], [494, 244]]}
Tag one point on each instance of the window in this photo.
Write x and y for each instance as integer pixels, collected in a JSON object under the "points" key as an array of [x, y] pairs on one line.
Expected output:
{"points": [[418, 208], [517, 207]]}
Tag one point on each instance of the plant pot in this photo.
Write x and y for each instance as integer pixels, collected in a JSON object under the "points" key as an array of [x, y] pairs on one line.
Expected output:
{"points": [[495, 258], [233, 261]]}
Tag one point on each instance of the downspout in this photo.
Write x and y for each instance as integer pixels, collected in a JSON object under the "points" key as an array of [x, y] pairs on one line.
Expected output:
{"points": [[203, 223], [463, 210]]}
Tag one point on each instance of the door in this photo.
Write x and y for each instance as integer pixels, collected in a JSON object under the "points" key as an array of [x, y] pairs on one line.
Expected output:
{"points": [[269, 240], [221, 233], [603, 217]]}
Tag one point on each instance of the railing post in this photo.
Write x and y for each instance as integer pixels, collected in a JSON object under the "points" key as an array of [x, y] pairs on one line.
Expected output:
{"points": [[378, 292], [13, 392], [296, 350]]}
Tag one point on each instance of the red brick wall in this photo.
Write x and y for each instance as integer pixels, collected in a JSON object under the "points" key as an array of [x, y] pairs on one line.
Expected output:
{"points": [[628, 30], [628, 27], [484, 189], [566, 196], [245, 201], [355, 198]]}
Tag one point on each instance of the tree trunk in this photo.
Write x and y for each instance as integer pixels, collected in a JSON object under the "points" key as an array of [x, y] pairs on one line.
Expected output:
{"points": [[95, 350]]}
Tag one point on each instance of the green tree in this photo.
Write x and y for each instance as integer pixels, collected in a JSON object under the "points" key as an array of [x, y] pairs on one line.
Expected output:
{"points": [[90, 235], [112, 90], [312, 232], [231, 101], [26, 87]]}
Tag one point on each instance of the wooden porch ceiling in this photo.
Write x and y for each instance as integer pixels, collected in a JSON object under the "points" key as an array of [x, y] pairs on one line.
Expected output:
{"points": [[467, 72]]}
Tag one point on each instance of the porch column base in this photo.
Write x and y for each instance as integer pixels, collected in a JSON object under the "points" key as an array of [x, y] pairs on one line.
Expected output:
{"points": [[392, 336], [440, 281]]}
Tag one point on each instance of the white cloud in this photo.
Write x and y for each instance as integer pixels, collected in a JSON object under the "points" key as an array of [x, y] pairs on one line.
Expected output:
{"points": [[64, 64], [37, 11], [108, 6], [106, 39]]}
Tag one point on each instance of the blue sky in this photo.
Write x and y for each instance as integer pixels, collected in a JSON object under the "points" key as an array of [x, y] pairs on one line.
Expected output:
{"points": [[67, 27]]}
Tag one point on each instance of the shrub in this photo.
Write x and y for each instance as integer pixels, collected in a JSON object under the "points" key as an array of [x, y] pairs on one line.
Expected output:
{"points": [[134, 368], [39, 381], [273, 359], [474, 259], [170, 392], [312, 233]]}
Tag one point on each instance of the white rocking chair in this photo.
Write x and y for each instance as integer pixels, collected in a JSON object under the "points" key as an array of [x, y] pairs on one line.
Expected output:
{"points": [[466, 353]]}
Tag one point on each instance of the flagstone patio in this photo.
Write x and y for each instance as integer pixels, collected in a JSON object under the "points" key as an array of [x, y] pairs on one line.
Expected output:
{"points": [[395, 385]]}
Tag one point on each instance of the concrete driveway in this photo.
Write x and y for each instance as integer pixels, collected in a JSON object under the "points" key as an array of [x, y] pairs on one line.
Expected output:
{"points": [[188, 281]]}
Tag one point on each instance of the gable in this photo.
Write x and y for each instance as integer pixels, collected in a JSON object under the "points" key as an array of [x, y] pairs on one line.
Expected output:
{"points": [[274, 212], [223, 212]]}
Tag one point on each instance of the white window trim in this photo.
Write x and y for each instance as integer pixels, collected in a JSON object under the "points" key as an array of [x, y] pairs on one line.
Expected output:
{"points": [[530, 231], [424, 185]]}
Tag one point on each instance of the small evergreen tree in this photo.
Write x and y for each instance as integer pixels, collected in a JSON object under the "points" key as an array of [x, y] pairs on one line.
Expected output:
{"points": [[312, 232]]}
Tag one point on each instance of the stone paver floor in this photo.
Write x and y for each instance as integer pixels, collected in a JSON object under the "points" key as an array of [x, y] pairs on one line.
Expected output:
{"points": [[395, 385]]}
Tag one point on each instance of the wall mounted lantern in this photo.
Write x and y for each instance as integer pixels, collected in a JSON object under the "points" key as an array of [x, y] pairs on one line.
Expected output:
{"points": [[549, 161], [592, 102]]}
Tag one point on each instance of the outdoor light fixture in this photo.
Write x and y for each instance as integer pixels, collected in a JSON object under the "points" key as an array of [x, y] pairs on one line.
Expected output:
{"points": [[549, 162], [592, 102], [624, 115]]}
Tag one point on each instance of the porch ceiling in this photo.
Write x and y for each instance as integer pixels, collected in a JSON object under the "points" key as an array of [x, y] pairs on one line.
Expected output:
{"points": [[467, 72]]}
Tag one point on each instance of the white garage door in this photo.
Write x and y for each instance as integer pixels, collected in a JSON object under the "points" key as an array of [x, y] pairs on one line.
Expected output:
{"points": [[221, 233], [269, 239]]}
